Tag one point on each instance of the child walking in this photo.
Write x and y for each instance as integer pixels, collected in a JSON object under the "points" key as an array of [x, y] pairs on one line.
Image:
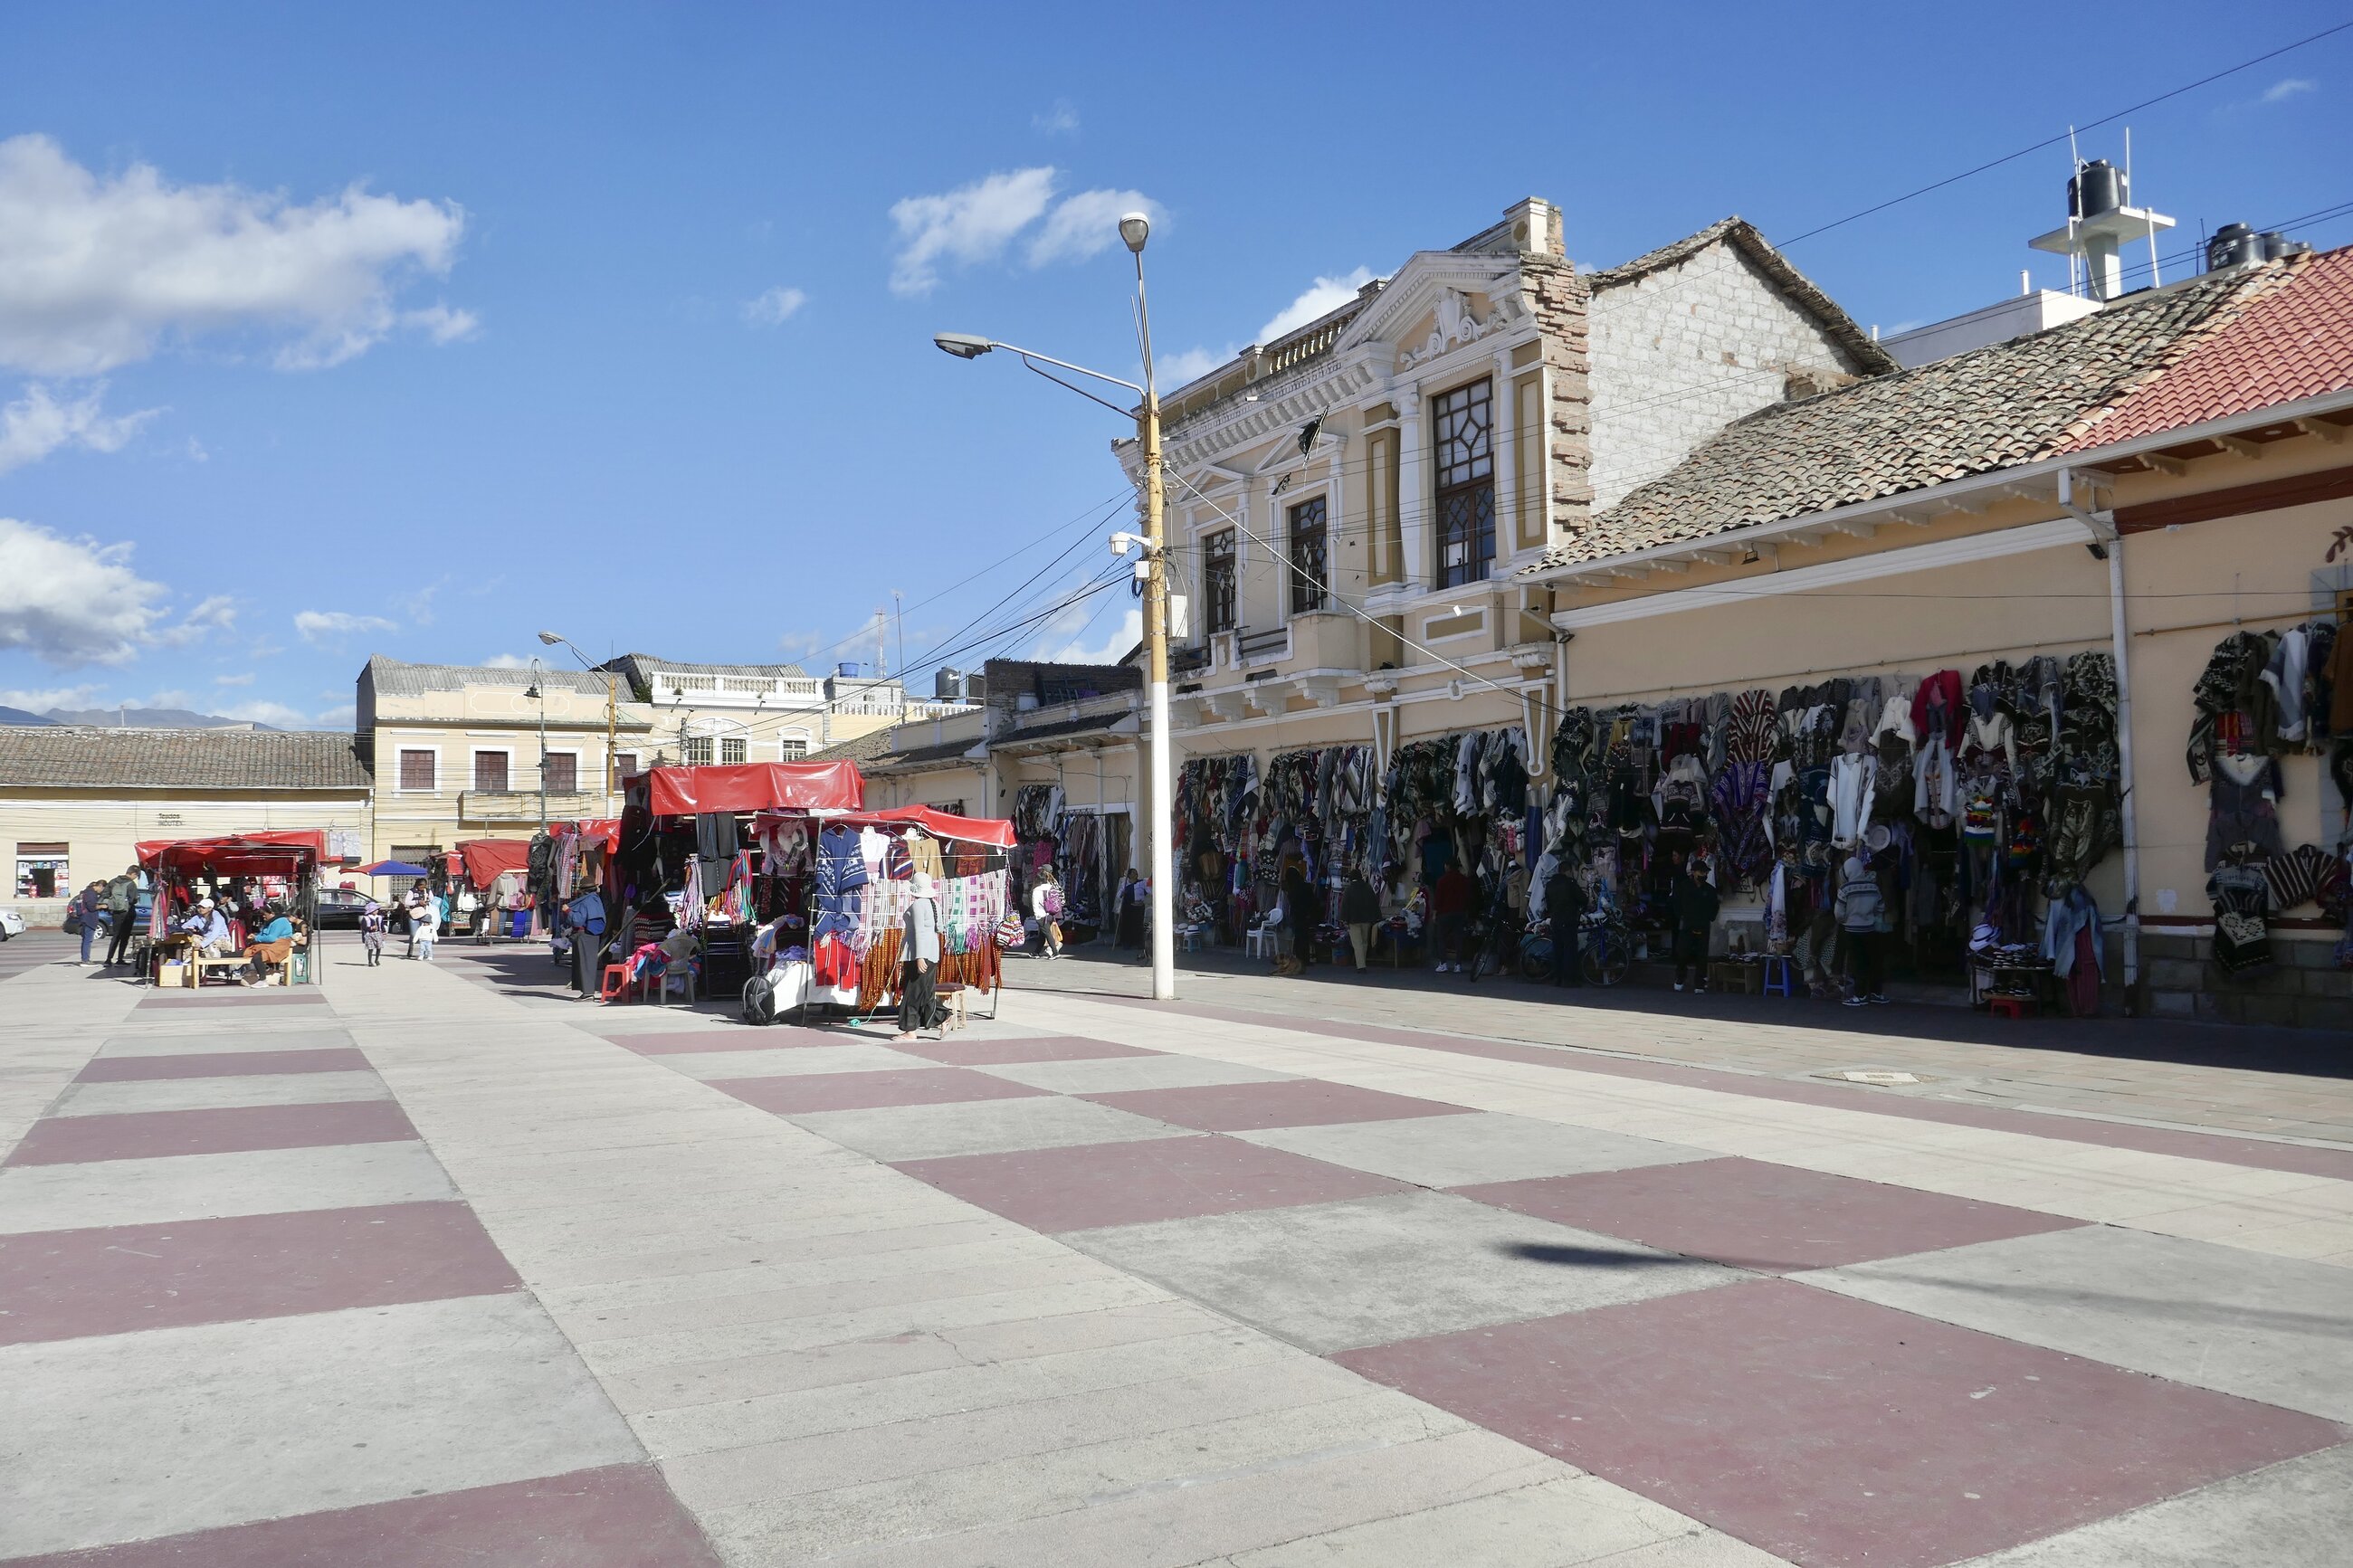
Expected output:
{"points": [[372, 933]]}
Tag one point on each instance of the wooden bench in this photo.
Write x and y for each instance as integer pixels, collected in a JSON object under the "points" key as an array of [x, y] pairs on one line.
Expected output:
{"points": [[204, 966]]}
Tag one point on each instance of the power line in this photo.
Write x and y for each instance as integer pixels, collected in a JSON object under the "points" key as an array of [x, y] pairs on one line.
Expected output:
{"points": [[2048, 141]]}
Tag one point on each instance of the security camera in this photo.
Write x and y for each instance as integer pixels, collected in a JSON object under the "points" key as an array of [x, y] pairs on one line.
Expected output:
{"points": [[1121, 543]]}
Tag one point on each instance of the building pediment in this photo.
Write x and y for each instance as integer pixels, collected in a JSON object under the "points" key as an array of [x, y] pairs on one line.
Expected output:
{"points": [[1439, 300]]}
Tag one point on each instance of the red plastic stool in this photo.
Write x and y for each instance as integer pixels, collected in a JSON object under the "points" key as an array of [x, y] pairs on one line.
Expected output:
{"points": [[2012, 1006], [615, 984]]}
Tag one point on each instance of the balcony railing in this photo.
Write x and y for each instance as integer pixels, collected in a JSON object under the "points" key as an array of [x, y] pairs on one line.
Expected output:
{"points": [[1250, 646]]}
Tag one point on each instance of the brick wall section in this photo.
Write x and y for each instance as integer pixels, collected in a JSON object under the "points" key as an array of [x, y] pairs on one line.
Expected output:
{"points": [[1560, 302], [1681, 352]]}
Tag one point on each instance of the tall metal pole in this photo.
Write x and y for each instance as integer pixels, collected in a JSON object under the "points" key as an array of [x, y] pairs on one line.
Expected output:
{"points": [[612, 739], [542, 672], [1156, 644]]}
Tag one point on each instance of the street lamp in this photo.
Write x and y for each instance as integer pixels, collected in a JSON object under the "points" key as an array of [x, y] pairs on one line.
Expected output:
{"points": [[538, 674], [1134, 228], [612, 727]]}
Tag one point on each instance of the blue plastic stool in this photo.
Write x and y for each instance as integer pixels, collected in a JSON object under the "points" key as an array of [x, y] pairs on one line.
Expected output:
{"points": [[1777, 975]]}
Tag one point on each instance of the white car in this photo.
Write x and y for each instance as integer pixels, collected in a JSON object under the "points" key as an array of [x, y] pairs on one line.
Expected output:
{"points": [[11, 924]]}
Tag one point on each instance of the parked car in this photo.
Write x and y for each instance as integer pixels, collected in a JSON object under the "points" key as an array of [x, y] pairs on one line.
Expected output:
{"points": [[339, 909], [12, 923]]}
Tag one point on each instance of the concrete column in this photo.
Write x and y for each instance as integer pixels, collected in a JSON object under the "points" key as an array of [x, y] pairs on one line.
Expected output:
{"points": [[1504, 400]]}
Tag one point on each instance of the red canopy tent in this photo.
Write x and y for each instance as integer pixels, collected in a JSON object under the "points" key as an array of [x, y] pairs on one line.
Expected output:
{"points": [[275, 854], [994, 830], [755, 786], [487, 860]]}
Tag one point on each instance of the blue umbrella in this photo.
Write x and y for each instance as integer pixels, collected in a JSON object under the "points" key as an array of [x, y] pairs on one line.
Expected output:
{"points": [[393, 868]]}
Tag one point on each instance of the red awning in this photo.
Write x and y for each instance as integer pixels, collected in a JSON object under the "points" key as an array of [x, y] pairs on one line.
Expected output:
{"points": [[994, 830], [277, 853], [487, 860], [756, 786], [607, 828]]}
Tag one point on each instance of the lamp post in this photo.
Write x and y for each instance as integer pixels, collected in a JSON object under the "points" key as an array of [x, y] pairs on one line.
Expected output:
{"points": [[1134, 228], [539, 675], [612, 726]]}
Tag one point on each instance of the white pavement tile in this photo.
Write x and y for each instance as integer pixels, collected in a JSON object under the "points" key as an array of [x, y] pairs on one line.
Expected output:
{"points": [[210, 1186], [218, 1093], [1110, 1075], [1555, 1525], [231, 1422], [1478, 1146], [2293, 1515], [709, 1066], [2276, 1329], [178, 1038], [1331, 1277], [980, 1127]]}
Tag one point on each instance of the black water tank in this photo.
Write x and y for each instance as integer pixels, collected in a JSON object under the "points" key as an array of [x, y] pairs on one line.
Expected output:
{"points": [[2098, 187], [2233, 245], [2276, 245]]}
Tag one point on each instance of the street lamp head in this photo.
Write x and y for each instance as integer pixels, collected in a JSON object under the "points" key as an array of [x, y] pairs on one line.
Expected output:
{"points": [[550, 638], [531, 692], [1135, 228], [964, 345]]}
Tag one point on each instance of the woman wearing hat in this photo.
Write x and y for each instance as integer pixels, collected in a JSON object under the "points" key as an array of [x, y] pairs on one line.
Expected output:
{"points": [[919, 954]]}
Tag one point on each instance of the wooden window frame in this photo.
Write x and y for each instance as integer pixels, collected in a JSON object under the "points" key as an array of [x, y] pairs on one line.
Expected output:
{"points": [[573, 758], [400, 773], [506, 769], [1465, 482], [1308, 547], [1220, 582]]}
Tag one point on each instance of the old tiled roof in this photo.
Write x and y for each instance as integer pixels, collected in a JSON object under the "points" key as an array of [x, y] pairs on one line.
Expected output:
{"points": [[1743, 236], [1993, 407], [394, 677], [79, 757], [875, 751], [2293, 341]]}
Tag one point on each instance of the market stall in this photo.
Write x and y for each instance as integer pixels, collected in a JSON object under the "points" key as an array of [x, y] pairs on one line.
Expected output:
{"points": [[495, 871], [247, 868]]}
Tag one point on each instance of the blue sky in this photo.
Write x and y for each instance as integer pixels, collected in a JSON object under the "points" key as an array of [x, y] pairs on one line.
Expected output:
{"points": [[330, 332]]}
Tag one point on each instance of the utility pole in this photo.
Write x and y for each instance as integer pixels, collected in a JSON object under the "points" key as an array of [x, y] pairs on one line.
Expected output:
{"points": [[1133, 229]]}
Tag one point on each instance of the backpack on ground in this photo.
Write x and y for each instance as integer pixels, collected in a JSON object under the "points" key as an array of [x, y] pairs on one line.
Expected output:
{"points": [[759, 1001]]}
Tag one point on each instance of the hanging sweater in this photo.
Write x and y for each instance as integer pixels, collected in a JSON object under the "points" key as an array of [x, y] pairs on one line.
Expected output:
{"points": [[1854, 782]]}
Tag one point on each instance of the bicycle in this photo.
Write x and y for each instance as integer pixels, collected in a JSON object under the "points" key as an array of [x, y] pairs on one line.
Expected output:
{"points": [[1609, 947]]}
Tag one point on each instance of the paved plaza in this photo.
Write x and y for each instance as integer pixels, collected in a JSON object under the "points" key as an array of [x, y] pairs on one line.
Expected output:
{"points": [[430, 1265]]}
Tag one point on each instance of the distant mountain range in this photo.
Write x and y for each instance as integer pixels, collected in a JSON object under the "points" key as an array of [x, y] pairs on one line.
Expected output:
{"points": [[129, 718]]}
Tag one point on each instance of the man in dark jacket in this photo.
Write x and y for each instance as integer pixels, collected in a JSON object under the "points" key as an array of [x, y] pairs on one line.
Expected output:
{"points": [[1691, 903], [1564, 913], [121, 903]]}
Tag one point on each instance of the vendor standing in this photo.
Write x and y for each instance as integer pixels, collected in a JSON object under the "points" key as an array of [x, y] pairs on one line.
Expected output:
{"points": [[919, 954], [585, 918]]}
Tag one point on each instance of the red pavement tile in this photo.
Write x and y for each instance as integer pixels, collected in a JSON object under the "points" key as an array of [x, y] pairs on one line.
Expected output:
{"points": [[1836, 1433], [1043, 1048], [781, 1037], [232, 996], [220, 1064], [1092, 1184], [1772, 1218], [152, 1134], [870, 1090], [1249, 1107], [621, 1517], [68, 1284]]}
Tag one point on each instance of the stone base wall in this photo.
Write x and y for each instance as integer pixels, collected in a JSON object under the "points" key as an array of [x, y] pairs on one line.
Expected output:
{"points": [[2303, 988]]}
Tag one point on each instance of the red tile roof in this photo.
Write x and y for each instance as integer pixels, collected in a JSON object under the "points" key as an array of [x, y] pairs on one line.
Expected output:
{"points": [[2294, 340]]}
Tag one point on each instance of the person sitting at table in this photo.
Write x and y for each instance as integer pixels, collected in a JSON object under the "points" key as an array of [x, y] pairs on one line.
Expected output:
{"points": [[271, 946], [210, 930]]}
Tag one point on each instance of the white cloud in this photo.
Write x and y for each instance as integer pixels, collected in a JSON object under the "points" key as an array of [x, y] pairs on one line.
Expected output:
{"points": [[276, 715], [1063, 119], [1187, 364], [320, 627], [37, 424], [1125, 636], [169, 700], [971, 223], [1086, 224], [245, 679], [72, 601], [2281, 91], [418, 607], [97, 270], [41, 700], [800, 645], [335, 717], [506, 662], [774, 308], [1319, 298], [216, 613]]}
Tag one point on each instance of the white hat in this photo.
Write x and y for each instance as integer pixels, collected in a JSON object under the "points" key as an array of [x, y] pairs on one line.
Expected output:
{"points": [[922, 887], [204, 903]]}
